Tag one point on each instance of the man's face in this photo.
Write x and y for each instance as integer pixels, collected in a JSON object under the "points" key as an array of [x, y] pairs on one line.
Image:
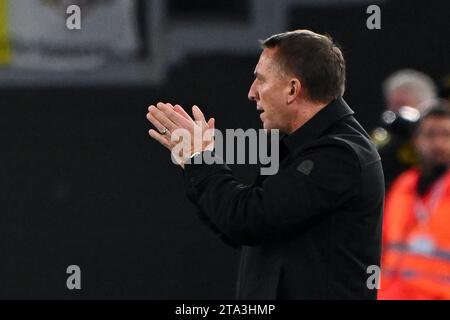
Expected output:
{"points": [[269, 90], [402, 97], [433, 140]]}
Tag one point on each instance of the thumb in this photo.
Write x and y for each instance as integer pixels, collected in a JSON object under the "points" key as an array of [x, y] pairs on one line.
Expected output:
{"points": [[198, 116], [211, 123]]}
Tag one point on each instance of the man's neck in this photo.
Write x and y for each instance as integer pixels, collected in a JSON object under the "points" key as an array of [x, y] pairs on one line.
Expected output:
{"points": [[429, 174], [429, 169], [306, 110]]}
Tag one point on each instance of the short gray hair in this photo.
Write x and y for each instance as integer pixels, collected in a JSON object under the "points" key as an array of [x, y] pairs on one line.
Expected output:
{"points": [[414, 80]]}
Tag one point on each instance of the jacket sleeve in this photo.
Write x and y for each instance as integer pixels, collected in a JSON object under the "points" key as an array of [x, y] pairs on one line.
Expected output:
{"points": [[312, 187]]}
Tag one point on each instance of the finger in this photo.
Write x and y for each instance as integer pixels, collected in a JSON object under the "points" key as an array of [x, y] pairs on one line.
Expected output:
{"points": [[155, 106], [161, 104], [160, 138], [175, 117], [198, 116], [163, 119], [156, 123], [181, 111], [210, 134]]}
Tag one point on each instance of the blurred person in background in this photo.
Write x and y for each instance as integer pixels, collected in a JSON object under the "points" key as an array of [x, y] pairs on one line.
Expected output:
{"points": [[408, 88], [407, 94], [416, 237]]}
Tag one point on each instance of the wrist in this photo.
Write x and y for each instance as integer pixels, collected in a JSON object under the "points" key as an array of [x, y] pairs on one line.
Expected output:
{"points": [[189, 160], [194, 155]]}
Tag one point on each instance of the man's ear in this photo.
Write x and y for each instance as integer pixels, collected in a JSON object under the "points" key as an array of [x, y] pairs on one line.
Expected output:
{"points": [[295, 88]]}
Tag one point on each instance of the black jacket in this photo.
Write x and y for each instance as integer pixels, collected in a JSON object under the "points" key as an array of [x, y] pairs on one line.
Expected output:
{"points": [[311, 230]]}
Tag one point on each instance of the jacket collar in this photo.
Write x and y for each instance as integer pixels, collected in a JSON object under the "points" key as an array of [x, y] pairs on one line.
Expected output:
{"points": [[316, 126]]}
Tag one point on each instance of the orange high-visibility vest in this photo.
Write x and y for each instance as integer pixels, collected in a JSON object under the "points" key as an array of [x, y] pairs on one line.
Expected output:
{"points": [[416, 240]]}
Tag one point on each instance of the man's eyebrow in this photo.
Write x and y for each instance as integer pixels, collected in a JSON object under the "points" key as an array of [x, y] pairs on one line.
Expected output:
{"points": [[258, 75]]}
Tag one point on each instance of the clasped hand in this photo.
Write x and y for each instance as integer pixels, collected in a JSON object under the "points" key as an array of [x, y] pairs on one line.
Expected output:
{"points": [[179, 132]]}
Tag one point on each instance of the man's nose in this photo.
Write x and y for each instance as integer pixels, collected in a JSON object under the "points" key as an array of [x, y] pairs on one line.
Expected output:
{"points": [[252, 92]]}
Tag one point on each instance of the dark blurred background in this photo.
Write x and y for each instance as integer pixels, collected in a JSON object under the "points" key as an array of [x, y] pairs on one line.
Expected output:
{"points": [[82, 183]]}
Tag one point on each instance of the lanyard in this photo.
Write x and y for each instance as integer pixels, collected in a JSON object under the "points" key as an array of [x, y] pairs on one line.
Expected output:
{"points": [[423, 211]]}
